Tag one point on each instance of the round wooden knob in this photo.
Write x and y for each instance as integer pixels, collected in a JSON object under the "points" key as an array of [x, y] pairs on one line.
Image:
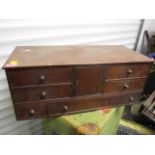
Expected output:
{"points": [[32, 112], [42, 78], [105, 102], [65, 108], [126, 86], [77, 83], [43, 95], [130, 71], [131, 98]]}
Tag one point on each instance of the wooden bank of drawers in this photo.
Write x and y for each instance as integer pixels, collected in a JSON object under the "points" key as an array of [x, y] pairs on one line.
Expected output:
{"points": [[47, 91], [82, 88]]}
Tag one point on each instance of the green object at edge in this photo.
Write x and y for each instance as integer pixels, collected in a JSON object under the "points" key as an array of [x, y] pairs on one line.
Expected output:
{"points": [[106, 123]]}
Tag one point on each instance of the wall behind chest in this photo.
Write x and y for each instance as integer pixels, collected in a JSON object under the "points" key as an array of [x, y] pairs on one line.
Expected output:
{"points": [[44, 32]]}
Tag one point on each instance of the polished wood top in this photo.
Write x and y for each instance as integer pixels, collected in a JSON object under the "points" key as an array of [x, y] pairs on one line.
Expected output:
{"points": [[38, 56]]}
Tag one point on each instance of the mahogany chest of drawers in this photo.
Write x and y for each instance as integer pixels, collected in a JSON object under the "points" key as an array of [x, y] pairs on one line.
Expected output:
{"points": [[47, 81]]}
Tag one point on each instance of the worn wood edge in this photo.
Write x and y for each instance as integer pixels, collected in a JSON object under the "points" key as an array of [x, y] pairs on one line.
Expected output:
{"points": [[74, 46], [42, 85], [81, 97], [128, 78], [74, 65]]}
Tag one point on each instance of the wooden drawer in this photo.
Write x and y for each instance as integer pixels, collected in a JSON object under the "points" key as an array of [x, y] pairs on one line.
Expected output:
{"points": [[31, 110], [38, 76], [41, 93], [127, 70], [131, 97], [124, 85], [88, 103], [79, 105]]}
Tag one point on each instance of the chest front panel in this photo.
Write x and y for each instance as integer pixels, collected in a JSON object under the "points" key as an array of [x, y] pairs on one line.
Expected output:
{"points": [[46, 92], [88, 80]]}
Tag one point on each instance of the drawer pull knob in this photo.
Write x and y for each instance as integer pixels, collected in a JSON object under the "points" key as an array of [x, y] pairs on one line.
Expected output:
{"points": [[130, 71], [43, 94], [105, 102], [77, 83], [32, 112], [126, 86], [42, 78], [65, 108], [131, 98]]}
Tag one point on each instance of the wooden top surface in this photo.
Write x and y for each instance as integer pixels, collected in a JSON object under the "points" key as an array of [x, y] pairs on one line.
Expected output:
{"points": [[36, 56]]}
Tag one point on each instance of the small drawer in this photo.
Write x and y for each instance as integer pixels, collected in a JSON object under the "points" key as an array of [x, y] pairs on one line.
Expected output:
{"points": [[31, 110], [127, 70], [38, 76], [70, 106], [40, 93], [82, 104], [131, 97], [124, 85]]}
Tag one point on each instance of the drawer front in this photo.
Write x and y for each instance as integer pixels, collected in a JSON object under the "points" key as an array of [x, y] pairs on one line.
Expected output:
{"points": [[91, 103], [30, 111], [41, 93], [39, 76], [88, 80], [127, 70], [81, 105], [131, 97], [123, 85]]}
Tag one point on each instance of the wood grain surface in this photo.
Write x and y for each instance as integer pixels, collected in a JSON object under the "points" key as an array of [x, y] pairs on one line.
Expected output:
{"points": [[30, 56]]}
